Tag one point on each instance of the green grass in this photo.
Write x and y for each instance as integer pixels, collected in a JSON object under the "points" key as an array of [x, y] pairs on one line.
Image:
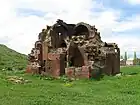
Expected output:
{"points": [[11, 60], [123, 90]]}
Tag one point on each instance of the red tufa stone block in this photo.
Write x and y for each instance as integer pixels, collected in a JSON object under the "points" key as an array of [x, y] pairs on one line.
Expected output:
{"points": [[35, 70], [85, 62], [78, 72], [56, 64], [32, 70], [86, 72], [28, 69], [45, 50], [83, 72], [85, 68], [53, 56], [70, 72], [55, 68]]}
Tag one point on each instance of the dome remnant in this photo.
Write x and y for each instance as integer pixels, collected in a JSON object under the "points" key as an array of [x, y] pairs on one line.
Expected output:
{"points": [[74, 50]]}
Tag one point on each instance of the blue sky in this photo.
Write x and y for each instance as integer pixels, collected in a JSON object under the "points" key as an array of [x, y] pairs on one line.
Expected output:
{"points": [[127, 10], [27, 12], [117, 20]]}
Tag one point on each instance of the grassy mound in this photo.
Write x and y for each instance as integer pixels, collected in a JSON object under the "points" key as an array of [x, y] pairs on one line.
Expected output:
{"points": [[11, 60]]}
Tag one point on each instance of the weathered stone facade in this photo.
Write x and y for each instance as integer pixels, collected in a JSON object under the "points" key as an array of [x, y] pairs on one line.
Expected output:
{"points": [[75, 50]]}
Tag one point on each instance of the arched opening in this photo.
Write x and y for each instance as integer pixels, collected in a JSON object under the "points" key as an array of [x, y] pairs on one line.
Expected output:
{"points": [[58, 35], [62, 44], [81, 30], [75, 57]]}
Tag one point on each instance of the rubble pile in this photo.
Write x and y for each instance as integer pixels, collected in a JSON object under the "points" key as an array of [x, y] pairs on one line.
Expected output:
{"points": [[17, 79]]}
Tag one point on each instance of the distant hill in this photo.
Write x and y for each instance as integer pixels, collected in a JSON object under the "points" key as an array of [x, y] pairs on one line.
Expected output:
{"points": [[11, 60]]}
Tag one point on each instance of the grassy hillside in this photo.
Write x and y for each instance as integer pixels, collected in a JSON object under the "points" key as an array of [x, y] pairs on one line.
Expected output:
{"points": [[11, 60], [124, 90]]}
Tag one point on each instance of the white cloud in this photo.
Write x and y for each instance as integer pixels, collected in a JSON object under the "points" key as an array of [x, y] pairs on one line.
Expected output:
{"points": [[130, 23], [128, 44], [22, 32], [133, 2]]}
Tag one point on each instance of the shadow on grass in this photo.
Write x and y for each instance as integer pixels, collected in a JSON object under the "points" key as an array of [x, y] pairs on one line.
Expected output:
{"points": [[133, 73]]}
